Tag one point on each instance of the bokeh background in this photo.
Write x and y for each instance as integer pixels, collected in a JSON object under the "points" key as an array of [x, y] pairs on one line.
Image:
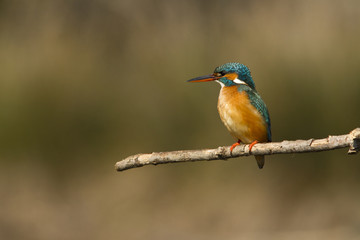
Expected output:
{"points": [[87, 83]]}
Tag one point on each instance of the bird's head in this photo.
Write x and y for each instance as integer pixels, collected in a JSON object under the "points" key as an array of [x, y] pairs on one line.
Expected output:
{"points": [[229, 74]]}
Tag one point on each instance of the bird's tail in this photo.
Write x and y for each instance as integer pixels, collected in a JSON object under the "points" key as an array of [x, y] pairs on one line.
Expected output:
{"points": [[260, 159]]}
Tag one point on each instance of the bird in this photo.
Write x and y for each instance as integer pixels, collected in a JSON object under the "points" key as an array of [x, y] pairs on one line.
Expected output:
{"points": [[241, 109]]}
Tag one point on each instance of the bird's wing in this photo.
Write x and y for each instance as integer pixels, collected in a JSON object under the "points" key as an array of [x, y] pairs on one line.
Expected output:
{"points": [[257, 102]]}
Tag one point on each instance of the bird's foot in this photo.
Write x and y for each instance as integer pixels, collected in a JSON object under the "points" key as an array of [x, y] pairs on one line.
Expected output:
{"points": [[252, 144], [234, 145]]}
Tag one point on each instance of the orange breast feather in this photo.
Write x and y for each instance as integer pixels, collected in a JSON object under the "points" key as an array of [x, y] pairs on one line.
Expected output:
{"points": [[240, 117]]}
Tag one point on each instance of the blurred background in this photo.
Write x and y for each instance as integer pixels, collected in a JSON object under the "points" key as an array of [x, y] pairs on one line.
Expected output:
{"points": [[85, 84]]}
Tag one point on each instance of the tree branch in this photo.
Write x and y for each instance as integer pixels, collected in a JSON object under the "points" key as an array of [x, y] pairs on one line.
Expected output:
{"points": [[351, 140]]}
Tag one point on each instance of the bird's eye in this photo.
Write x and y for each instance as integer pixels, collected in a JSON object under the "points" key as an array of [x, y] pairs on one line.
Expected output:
{"points": [[220, 74]]}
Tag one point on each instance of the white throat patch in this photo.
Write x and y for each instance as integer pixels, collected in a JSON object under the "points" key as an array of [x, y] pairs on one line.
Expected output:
{"points": [[222, 85]]}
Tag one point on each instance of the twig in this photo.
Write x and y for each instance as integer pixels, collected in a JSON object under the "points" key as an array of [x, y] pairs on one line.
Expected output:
{"points": [[351, 140]]}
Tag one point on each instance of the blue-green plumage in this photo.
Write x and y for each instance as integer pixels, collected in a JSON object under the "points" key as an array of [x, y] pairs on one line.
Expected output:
{"points": [[243, 72], [259, 104]]}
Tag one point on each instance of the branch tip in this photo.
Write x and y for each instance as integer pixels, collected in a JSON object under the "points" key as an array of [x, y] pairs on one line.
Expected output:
{"points": [[355, 141]]}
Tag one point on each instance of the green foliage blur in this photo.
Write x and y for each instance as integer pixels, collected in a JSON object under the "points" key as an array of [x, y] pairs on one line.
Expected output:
{"points": [[87, 83]]}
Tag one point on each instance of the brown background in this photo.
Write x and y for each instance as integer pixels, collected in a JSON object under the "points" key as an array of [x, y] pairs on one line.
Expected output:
{"points": [[87, 83]]}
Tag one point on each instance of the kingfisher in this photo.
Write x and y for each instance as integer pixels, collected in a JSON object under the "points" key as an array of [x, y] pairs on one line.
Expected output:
{"points": [[240, 106]]}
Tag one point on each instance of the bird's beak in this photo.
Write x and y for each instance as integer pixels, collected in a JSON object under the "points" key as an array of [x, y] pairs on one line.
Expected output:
{"points": [[205, 78]]}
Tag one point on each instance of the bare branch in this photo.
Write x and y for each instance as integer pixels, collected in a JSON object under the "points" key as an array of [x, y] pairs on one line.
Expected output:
{"points": [[351, 140]]}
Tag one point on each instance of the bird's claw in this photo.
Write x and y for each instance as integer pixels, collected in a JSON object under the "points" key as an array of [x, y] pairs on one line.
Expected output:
{"points": [[252, 144], [234, 145]]}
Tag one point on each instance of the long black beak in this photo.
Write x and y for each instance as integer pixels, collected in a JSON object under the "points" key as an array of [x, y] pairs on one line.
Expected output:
{"points": [[205, 78]]}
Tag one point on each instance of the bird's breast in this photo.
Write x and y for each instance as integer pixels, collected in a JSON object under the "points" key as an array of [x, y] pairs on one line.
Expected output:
{"points": [[240, 117]]}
